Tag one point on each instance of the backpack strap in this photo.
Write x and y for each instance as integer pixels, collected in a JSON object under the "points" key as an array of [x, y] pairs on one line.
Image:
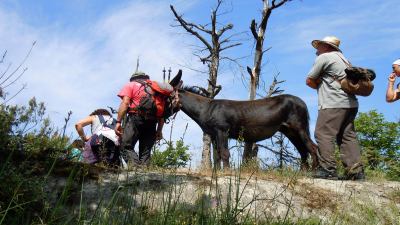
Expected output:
{"points": [[146, 88], [104, 122], [347, 62]]}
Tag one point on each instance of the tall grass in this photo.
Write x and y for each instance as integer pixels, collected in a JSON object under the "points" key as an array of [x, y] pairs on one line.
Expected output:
{"points": [[63, 192], [147, 197]]}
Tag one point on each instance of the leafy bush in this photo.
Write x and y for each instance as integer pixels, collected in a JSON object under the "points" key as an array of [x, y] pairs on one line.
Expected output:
{"points": [[173, 156], [28, 148], [380, 141]]}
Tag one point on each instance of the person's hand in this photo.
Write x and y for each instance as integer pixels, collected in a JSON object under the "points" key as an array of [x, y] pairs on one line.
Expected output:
{"points": [[159, 135], [392, 77], [85, 138], [118, 129]]}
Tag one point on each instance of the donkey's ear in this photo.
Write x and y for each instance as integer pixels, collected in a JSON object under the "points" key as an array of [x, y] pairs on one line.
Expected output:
{"points": [[175, 81]]}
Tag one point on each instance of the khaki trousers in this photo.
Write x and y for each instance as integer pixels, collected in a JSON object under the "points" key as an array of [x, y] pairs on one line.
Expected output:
{"points": [[337, 126]]}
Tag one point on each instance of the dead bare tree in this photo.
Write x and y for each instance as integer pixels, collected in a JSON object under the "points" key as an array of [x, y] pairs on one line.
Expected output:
{"points": [[251, 149], [211, 37]]}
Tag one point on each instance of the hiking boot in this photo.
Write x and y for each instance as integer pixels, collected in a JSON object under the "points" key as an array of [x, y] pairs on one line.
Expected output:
{"points": [[360, 176], [322, 173]]}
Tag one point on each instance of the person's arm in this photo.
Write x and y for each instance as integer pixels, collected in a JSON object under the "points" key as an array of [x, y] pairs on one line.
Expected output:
{"points": [[313, 83], [313, 79], [391, 93], [160, 125], [79, 127], [122, 110]]}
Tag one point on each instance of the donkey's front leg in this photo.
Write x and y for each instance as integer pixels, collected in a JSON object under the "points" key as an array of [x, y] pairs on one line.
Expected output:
{"points": [[222, 148], [216, 156]]}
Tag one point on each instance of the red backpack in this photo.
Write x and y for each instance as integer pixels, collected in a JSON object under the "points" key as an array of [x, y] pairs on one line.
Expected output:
{"points": [[152, 103]]}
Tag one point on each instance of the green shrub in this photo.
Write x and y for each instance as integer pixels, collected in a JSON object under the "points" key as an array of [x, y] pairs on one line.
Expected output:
{"points": [[28, 148], [380, 141], [172, 157]]}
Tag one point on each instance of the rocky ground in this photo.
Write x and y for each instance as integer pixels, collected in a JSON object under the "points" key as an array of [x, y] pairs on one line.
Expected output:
{"points": [[260, 195]]}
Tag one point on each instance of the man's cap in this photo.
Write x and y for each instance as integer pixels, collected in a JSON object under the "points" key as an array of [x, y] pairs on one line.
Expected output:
{"points": [[139, 75], [329, 40]]}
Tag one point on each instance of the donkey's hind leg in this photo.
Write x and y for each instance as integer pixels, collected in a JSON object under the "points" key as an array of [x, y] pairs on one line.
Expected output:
{"points": [[311, 147], [299, 144], [302, 141]]}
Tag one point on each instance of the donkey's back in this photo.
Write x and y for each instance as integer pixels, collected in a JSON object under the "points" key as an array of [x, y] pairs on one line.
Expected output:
{"points": [[258, 119]]}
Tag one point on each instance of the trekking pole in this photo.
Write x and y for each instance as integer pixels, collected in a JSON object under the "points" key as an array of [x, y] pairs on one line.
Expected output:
{"points": [[169, 74], [164, 74]]}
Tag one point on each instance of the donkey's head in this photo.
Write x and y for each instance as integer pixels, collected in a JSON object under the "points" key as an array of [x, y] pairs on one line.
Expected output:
{"points": [[172, 104]]}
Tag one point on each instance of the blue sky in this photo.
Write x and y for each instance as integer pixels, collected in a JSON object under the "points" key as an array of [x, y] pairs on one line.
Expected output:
{"points": [[86, 49]]}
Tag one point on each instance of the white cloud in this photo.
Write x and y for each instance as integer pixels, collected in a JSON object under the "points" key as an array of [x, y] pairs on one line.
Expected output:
{"points": [[85, 70], [82, 68]]}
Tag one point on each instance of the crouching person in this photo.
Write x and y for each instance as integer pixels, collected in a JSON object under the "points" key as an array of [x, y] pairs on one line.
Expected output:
{"points": [[102, 145]]}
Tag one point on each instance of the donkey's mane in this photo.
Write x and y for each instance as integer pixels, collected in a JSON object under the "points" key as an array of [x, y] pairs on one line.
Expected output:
{"points": [[196, 90]]}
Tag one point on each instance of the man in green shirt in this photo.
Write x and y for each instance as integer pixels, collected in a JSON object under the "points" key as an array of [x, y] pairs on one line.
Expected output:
{"points": [[336, 113]]}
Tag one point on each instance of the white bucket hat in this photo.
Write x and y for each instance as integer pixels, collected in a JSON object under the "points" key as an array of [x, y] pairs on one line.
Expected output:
{"points": [[329, 40], [397, 62]]}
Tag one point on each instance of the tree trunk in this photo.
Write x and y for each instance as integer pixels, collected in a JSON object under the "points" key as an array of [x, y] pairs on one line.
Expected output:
{"points": [[206, 154], [212, 60], [251, 149], [256, 71]]}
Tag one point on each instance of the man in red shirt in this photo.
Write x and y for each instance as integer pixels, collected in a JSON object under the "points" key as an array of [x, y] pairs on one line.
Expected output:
{"points": [[139, 125]]}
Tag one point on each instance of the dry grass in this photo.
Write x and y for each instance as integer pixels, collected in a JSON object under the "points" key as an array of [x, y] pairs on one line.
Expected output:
{"points": [[395, 197], [317, 198]]}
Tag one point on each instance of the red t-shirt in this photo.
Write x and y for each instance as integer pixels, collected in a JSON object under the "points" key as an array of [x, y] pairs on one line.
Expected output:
{"points": [[135, 91]]}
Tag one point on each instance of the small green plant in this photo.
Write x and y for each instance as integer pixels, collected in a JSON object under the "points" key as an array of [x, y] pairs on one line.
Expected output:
{"points": [[174, 156]]}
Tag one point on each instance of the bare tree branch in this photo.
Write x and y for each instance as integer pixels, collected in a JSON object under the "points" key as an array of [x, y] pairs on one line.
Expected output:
{"points": [[274, 6], [4, 55], [288, 155], [4, 73], [229, 38], [216, 88], [266, 50], [272, 89], [185, 25], [199, 27], [253, 29], [22, 88], [222, 30], [195, 70], [229, 46], [12, 82], [19, 66]]}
